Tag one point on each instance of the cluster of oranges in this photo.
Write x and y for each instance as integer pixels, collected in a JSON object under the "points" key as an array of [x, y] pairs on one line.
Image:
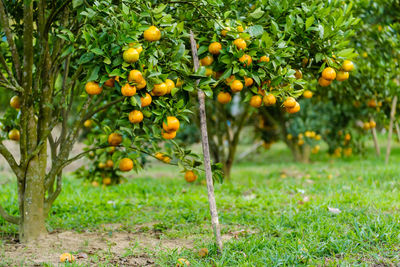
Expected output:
{"points": [[14, 134], [307, 134], [369, 125], [329, 74], [348, 151]]}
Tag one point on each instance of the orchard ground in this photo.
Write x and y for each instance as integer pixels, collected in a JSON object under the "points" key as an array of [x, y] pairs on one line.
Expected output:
{"points": [[273, 212]]}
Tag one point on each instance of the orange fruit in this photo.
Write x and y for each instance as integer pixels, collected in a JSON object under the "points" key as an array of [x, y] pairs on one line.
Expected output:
{"points": [[111, 150], [209, 72], [347, 65], [14, 135], [179, 83], [166, 135], [93, 88], [240, 43], [15, 102], [190, 176], [366, 126], [255, 101], [162, 157], [142, 84], [248, 81], [329, 74], [95, 184], [342, 76], [236, 86], [372, 124], [109, 163], [307, 94], [88, 123], [115, 139], [290, 102], [206, 61], [230, 79], [66, 257], [240, 28], [269, 100], [215, 48], [110, 82], [294, 109], [298, 74], [135, 76], [107, 181], [139, 49], [246, 59], [130, 55], [160, 89], [347, 137], [146, 100], [126, 164], [102, 165], [170, 85], [203, 252], [136, 116], [264, 59], [318, 137], [224, 97], [323, 82], [152, 34], [224, 32], [128, 90], [172, 124], [372, 103]]}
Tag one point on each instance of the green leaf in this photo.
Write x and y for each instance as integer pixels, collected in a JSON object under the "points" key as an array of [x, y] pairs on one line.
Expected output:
{"points": [[256, 30], [76, 3], [258, 13], [345, 52], [94, 74], [309, 22]]}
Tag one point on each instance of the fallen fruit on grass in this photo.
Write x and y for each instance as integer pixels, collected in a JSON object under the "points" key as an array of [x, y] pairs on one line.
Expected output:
{"points": [[66, 257], [183, 262], [203, 252]]}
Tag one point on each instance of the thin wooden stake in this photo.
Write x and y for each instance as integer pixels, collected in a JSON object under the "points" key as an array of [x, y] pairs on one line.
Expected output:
{"points": [[392, 117], [375, 138], [398, 131], [206, 151]]}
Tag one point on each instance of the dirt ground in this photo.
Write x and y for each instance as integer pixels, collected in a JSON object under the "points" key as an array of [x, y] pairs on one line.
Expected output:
{"points": [[112, 246]]}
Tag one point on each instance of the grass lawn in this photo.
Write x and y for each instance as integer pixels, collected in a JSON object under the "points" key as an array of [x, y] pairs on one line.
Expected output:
{"points": [[273, 212]]}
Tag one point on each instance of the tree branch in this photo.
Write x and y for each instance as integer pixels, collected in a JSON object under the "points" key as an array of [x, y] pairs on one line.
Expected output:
{"points": [[10, 160], [109, 104], [9, 218], [54, 14], [10, 39]]}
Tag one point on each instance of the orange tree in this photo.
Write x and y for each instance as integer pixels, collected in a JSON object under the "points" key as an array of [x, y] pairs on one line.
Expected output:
{"points": [[261, 58], [68, 64]]}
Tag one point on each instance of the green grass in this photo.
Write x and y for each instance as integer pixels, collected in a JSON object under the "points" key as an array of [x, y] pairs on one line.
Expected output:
{"points": [[281, 227]]}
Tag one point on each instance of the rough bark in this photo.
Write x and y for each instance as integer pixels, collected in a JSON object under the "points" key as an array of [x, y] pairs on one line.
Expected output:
{"points": [[206, 153], [398, 131], [392, 118]]}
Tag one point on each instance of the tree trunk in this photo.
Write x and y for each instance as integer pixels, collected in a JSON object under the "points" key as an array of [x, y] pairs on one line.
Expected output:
{"points": [[392, 117], [32, 225], [376, 144], [398, 131], [306, 152]]}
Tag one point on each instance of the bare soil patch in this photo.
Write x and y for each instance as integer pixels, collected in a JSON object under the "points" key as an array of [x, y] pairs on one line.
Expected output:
{"points": [[114, 248]]}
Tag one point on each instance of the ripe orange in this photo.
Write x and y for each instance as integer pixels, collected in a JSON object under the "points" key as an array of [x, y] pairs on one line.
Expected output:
{"points": [[136, 116], [146, 100], [294, 109], [130, 55], [88, 123], [135, 76], [246, 59], [206, 61], [298, 74], [372, 103], [126, 164], [290, 102], [102, 165], [170, 85], [236, 86], [160, 89], [347, 65], [342, 76], [304, 61], [209, 72], [366, 126], [203, 252], [166, 135], [329, 74], [66, 257], [255, 101], [93, 88], [162, 157], [15, 102], [179, 82], [115, 139], [172, 124], [318, 137], [14, 135], [95, 184], [190, 176], [347, 137], [307, 94], [110, 82], [323, 82], [109, 163], [107, 181], [152, 34], [224, 32], [372, 124], [248, 81], [224, 97], [240, 43], [269, 100], [240, 28], [111, 150], [230, 79], [128, 90], [264, 59], [142, 84], [215, 48]]}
